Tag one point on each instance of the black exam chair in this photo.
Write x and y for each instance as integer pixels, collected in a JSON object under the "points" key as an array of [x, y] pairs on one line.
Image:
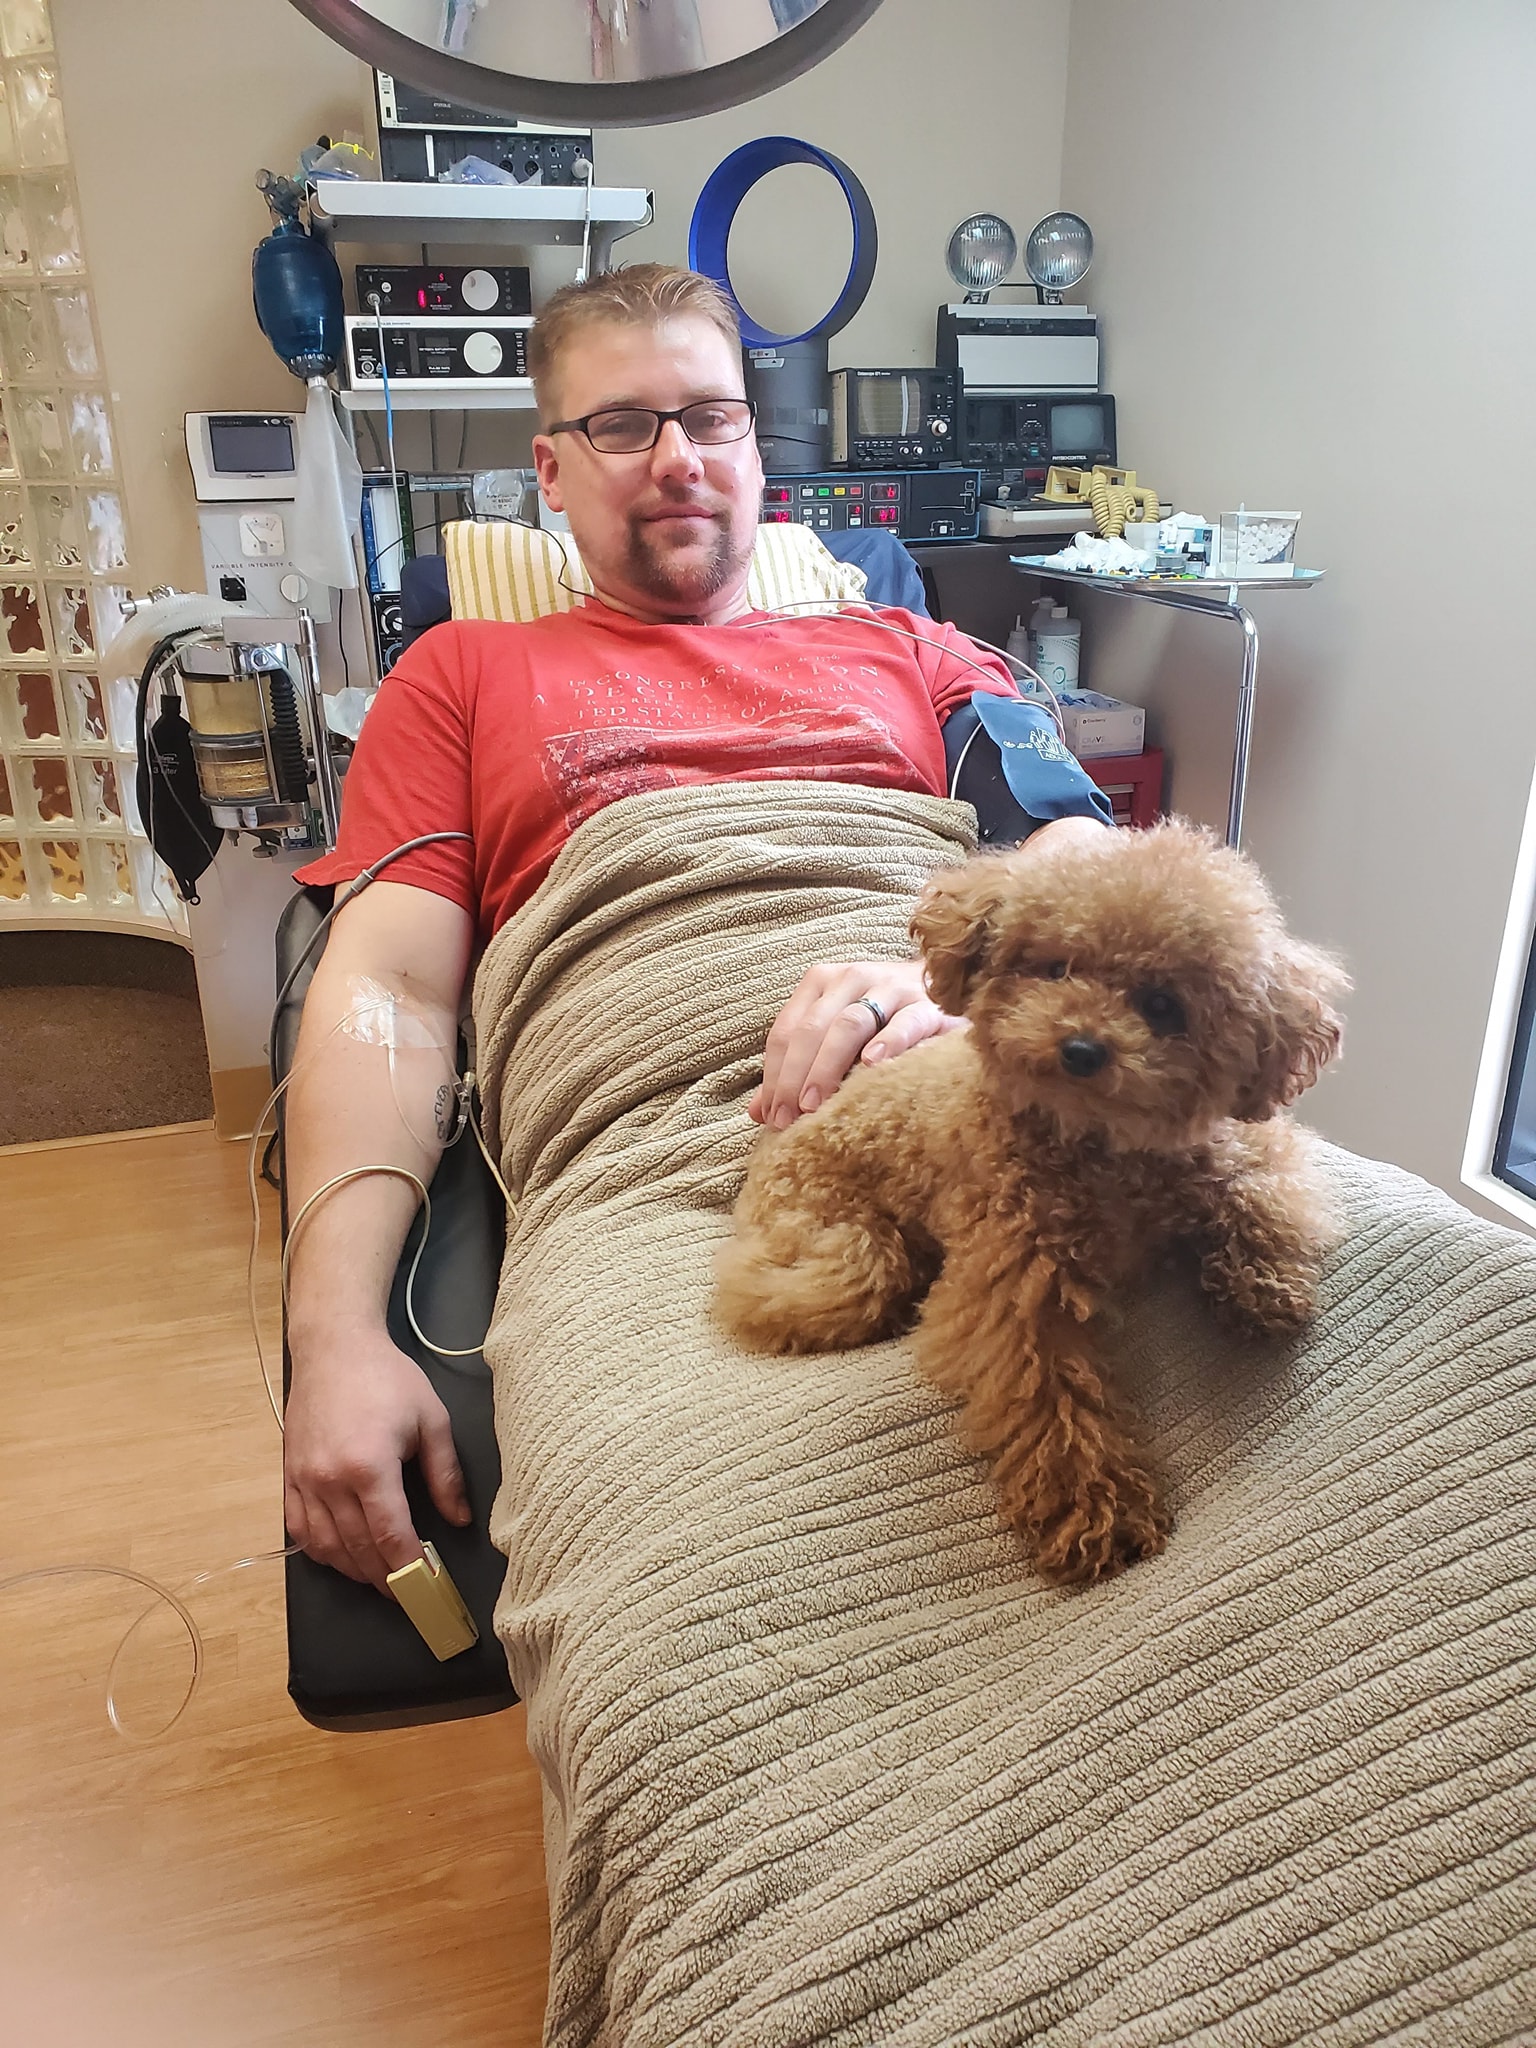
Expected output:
{"points": [[354, 1660]]}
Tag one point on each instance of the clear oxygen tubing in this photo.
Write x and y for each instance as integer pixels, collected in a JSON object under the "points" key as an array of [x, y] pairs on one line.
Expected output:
{"points": [[162, 1593]]}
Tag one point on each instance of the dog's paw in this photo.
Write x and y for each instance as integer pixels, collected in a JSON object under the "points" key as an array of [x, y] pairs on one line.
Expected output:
{"points": [[1096, 1535], [1266, 1301]]}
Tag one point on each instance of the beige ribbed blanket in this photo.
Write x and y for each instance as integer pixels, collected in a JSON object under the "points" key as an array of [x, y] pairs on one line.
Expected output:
{"points": [[823, 1761]]}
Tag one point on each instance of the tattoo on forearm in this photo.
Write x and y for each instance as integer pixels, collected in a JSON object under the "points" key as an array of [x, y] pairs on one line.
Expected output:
{"points": [[443, 1111]]}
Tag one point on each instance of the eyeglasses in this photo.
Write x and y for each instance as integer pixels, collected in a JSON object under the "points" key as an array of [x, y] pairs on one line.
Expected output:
{"points": [[632, 429]]}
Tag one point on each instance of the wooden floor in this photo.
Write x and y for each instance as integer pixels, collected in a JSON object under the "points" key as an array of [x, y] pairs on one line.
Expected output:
{"points": [[245, 1879]]}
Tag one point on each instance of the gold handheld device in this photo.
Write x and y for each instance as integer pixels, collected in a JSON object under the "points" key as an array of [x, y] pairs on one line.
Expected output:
{"points": [[433, 1602]]}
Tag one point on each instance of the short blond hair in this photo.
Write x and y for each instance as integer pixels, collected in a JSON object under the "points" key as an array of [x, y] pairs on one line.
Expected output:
{"points": [[635, 295]]}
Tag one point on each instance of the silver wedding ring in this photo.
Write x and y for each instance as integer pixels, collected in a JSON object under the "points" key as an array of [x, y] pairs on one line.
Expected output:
{"points": [[874, 1009]]}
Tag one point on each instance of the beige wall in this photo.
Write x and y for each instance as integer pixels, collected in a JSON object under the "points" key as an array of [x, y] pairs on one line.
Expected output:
{"points": [[1315, 229], [245, 83]]}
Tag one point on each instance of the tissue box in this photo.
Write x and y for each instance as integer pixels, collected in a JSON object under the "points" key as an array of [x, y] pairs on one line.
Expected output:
{"points": [[1094, 724]]}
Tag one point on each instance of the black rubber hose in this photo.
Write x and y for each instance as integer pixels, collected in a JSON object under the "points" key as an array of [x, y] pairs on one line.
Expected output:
{"points": [[287, 740]]}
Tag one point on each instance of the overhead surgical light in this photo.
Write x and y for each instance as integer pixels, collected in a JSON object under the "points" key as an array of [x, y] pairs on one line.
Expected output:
{"points": [[1057, 255], [981, 252], [592, 63]]}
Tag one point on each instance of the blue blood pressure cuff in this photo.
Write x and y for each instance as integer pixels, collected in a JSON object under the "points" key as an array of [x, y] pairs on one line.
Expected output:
{"points": [[1043, 778]]}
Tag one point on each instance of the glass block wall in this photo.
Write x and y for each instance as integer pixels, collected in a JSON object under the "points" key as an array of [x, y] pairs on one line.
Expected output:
{"points": [[72, 847]]}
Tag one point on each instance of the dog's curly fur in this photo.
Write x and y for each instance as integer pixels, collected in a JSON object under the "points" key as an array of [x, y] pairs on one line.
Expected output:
{"points": [[1139, 1016]]}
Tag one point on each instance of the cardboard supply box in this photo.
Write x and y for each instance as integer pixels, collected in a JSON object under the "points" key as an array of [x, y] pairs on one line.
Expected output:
{"points": [[1101, 725]]}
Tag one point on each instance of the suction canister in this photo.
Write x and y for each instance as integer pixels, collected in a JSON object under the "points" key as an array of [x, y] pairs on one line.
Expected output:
{"points": [[247, 739]]}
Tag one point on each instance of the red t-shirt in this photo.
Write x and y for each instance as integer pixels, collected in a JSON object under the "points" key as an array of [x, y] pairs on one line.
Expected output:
{"points": [[518, 733]]}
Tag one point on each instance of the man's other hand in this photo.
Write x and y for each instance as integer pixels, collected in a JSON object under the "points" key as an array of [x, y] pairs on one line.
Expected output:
{"points": [[354, 1416], [826, 1029]]}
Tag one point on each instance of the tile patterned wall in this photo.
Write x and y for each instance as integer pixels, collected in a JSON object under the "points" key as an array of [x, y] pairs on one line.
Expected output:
{"points": [[72, 846]]}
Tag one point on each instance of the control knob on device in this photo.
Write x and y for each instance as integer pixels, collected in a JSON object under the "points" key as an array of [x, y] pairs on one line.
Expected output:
{"points": [[482, 352], [479, 291]]}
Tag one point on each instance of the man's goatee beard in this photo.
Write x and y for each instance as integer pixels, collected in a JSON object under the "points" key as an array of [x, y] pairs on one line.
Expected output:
{"points": [[658, 572]]}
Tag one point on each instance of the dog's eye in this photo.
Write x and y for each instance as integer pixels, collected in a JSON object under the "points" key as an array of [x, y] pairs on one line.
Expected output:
{"points": [[1162, 1012], [1056, 971]]}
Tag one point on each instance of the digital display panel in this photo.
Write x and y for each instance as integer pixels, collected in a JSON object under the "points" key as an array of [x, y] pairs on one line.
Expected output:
{"points": [[246, 447]]}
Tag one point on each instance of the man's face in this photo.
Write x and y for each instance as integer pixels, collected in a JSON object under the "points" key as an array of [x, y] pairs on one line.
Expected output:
{"points": [[667, 533]]}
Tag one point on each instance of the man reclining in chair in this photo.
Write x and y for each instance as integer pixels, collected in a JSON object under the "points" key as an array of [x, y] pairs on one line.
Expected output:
{"points": [[515, 735]]}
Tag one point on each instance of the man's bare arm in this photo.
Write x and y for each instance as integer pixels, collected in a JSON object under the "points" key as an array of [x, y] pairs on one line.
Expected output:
{"points": [[375, 1052]]}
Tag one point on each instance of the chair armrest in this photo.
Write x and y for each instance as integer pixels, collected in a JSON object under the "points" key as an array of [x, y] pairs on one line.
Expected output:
{"points": [[354, 1660], [423, 596], [303, 914]]}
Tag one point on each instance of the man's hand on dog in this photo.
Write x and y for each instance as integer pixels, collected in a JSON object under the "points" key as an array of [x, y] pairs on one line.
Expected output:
{"points": [[826, 1029]]}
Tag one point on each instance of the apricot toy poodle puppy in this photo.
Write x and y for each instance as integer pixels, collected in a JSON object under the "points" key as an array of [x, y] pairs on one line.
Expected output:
{"points": [[1139, 1018]]}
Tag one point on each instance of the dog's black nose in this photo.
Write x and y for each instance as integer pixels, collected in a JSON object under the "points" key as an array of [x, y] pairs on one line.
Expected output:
{"points": [[1083, 1056]]}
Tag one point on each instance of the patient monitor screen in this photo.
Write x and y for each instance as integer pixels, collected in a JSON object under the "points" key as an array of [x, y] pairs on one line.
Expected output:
{"points": [[250, 447]]}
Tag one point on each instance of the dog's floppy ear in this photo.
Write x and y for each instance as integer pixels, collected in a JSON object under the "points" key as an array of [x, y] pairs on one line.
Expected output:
{"points": [[950, 924], [1300, 1030]]}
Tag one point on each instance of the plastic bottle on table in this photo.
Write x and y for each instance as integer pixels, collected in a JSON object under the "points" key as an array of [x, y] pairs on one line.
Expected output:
{"points": [[1040, 616], [1021, 641], [1058, 645]]}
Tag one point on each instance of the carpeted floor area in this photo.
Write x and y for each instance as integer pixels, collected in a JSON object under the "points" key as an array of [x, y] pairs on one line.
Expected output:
{"points": [[98, 1032]]}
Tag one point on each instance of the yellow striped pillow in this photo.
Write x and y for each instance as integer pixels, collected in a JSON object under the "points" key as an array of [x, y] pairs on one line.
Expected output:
{"points": [[498, 570]]}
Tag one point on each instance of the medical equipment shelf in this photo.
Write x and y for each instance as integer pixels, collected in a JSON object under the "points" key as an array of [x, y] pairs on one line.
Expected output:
{"points": [[444, 394], [371, 210], [1215, 598]]}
